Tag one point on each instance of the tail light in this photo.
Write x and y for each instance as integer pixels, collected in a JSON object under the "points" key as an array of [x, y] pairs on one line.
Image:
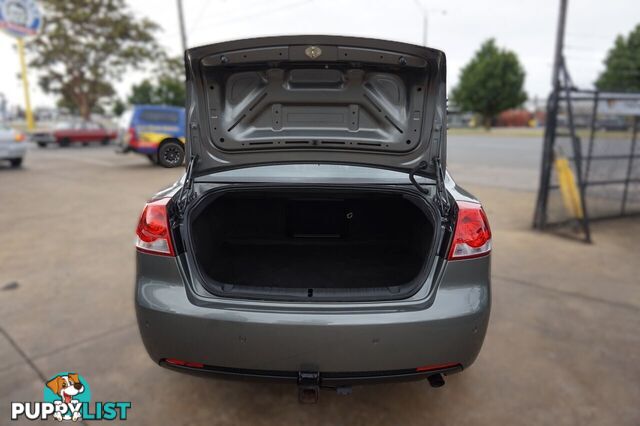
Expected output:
{"points": [[154, 235], [132, 137], [19, 137], [472, 236]]}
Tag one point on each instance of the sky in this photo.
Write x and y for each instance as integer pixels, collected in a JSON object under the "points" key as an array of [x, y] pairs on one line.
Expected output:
{"points": [[457, 27]]}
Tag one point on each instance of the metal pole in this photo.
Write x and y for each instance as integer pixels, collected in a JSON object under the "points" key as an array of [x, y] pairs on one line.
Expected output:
{"points": [[577, 154], [540, 215], [183, 35], [562, 19], [592, 133], [25, 85], [425, 19]]}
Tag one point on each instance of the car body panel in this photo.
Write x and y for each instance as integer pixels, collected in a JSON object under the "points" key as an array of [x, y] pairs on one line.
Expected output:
{"points": [[443, 322], [245, 100], [152, 124], [335, 174], [272, 100], [74, 132], [370, 338], [12, 144]]}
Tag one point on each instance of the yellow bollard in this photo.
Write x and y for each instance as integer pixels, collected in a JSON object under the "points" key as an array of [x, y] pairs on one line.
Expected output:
{"points": [[568, 187]]}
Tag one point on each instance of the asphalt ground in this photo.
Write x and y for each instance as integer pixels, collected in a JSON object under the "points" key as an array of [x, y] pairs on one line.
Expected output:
{"points": [[506, 162], [562, 347]]}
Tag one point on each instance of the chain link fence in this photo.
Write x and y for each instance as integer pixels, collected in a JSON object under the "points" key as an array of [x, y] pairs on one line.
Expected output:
{"points": [[592, 161]]}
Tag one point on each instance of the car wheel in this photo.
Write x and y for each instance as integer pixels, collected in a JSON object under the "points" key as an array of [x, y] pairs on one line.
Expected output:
{"points": [[42, 144], [106, 141], [85, 143], [16, 162], [65, 142], [171, 154]]}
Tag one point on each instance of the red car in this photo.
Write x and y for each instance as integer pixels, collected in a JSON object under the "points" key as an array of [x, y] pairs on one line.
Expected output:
{"points": [[67, 132]]}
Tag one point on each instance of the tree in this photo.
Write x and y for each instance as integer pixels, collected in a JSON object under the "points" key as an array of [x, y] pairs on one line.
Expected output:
{"points": [[167, 88], [491, 83], [86, 45], [142, 93], [66, 105], [622, 65], [118, 107]]}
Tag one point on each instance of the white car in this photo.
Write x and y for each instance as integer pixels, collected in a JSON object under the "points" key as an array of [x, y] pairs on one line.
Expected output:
{"points": [[12, 145]]}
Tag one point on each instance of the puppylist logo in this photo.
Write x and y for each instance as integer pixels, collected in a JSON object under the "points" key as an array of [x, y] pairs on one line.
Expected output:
{"points": [[67, 397]]}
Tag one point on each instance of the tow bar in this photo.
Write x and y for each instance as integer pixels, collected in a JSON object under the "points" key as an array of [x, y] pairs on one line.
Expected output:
{"points": [[308, 387]]}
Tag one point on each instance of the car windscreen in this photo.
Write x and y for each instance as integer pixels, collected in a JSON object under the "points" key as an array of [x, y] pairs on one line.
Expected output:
{"points": [[159, 116]]}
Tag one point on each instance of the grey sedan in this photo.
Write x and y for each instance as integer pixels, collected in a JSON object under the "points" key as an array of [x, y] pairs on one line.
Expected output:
{"points": [[315, 237], [12, 145]]}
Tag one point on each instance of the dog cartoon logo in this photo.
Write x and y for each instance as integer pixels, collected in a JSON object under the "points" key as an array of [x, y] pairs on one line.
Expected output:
{"points": [[67, 397], [68, 389]]}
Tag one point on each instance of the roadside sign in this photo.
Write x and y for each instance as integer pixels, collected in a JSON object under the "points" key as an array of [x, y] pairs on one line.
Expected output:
{"points": [[619, 104], [20, 18]]}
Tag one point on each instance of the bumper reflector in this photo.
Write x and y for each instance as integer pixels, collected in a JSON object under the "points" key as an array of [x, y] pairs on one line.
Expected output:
{"points": [[437, 366], [182, 363]]}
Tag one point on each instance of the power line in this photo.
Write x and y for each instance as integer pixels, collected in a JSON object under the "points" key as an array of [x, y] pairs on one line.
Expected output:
{"points": [[585, 35], [583, 48]]}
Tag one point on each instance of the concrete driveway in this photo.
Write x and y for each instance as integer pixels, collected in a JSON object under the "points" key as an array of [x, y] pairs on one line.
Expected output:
{"points": [[562, 348]]}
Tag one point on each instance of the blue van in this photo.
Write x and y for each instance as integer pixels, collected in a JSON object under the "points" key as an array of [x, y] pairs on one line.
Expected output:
{"points": [[157, 131]]}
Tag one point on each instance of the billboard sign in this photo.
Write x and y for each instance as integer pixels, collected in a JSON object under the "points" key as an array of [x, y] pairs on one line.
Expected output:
{"points": [[20, 18]]}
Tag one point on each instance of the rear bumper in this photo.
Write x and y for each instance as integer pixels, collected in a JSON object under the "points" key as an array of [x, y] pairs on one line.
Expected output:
{"points": [[370, 338], [326, 379], [12, 150]]}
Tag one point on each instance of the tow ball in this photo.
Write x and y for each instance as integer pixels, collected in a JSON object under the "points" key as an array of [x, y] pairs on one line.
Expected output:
{"points": [[308, 387]]}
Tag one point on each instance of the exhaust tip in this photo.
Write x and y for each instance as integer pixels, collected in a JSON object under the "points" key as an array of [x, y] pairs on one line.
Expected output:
{"points": [[436, 381]]}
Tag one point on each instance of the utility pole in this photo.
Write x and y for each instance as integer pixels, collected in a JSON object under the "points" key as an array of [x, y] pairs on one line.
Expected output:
{"points": [[425, 22], [562, 20], [183, 34], [540, 215], [425, 19]]}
